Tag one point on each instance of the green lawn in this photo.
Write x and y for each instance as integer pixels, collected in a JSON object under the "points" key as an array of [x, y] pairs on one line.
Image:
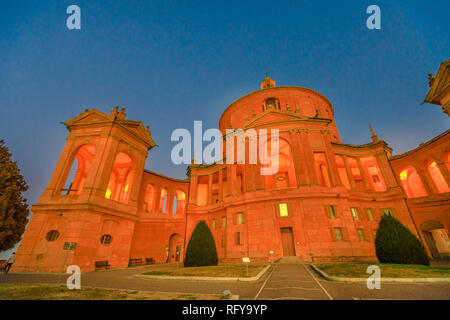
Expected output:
{"points": [[13, 291], [213, 271], [358, 270]]}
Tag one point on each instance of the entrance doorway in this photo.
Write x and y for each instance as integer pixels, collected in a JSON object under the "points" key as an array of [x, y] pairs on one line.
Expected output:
{"points": [[287, 240], [175, 244]]}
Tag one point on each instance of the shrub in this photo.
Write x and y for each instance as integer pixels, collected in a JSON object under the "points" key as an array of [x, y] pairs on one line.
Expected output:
{"points": [[395, 243], [201, 250]]}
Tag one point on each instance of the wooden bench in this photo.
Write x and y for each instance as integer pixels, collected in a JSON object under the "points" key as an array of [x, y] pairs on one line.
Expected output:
{"points": [[149, 261], [135, 262], [102, 264]]}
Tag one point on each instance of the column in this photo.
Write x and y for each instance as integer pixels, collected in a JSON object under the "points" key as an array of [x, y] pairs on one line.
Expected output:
{"points": [[210, 182], [335, 178], [220, 184], [443, 169], [309, 158], [193, 191], [427, 181], [386, 170], [297, 152], [363, 174], [349, 173]]}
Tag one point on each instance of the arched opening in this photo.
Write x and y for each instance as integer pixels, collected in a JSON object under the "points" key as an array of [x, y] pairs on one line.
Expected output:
{"points": [[271, 104], [163, 201], [81, 163], [285, 177], [436, 238], [437, 177], [181, 201], [411, 183], [373, 173], [323, 174], [119, 184], [149, 198], [174, 204], [174, 253], [447, 159]]}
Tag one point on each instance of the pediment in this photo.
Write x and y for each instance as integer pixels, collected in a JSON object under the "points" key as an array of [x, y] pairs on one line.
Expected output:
{"points": [[89, 117], [274, 116]]}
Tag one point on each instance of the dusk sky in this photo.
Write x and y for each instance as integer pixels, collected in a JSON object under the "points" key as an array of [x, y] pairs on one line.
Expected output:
{"points": [[172, 62]]}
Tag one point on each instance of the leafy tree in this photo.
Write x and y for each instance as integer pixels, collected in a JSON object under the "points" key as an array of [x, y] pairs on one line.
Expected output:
{"points": [[395, 243], [201, 250], [13, 207]]}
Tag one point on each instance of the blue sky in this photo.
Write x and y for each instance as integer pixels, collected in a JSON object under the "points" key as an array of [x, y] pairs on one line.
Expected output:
{"points": [[173, 62]]}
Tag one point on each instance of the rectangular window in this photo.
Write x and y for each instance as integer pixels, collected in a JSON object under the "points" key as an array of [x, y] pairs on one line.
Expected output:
{"points": [[238, 238], [224, 222], [338, 234], [369, 214], [361, 235], [332, 212], [214, 224], [224, 241], [387, 212], [355, 213], [283, 210], [240, 218]]}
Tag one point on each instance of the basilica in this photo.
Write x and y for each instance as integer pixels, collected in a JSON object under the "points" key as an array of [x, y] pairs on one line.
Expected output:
{"points": [[324, 202]]}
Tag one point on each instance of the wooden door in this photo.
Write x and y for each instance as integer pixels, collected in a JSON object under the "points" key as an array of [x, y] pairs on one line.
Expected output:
{"points": [[287, 240]]}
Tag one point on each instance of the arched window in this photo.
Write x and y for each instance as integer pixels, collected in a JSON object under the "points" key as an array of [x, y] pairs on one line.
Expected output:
{"points": [[121, 178], [272, 104], [437, 177], [163, 201], [181, 201], [149, 197], [285, 177], [411, 183], [52, 235], [174, 205], [81, 163], [106, 239]]}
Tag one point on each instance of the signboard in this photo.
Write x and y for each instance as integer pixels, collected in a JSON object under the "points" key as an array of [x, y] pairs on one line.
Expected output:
{"points": [[247, 260]]}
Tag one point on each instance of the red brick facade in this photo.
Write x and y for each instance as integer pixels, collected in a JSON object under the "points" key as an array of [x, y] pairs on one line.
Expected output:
{"points": [[325, 201]]}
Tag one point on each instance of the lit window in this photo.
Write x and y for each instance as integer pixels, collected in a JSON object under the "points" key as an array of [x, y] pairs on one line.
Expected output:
{"points": [[284, 210], [332, 212], [361, 234], [240, 218], [354, 213], [369, 214], [52, 235], [338, 234], [105, 239]]}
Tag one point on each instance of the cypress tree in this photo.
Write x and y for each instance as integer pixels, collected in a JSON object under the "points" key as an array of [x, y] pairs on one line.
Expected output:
{"points": [[13, 207], [395, 243], [201, 250]]}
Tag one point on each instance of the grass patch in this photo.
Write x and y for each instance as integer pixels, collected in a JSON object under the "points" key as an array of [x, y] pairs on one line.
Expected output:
{"points": [[11, 291], [388, 270], [212, 271]]}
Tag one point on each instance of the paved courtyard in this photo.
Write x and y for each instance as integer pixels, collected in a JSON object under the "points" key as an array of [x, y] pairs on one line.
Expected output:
{"points": [[289, 279]]}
